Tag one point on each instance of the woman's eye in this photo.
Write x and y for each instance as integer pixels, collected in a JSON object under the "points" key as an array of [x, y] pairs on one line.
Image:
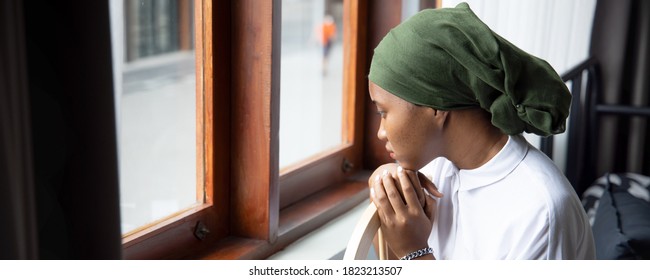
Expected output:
{"points": [[381, 113]]}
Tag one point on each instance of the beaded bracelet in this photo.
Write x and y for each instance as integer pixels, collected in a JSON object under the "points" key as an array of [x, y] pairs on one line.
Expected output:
{"points": [[417, 254]]}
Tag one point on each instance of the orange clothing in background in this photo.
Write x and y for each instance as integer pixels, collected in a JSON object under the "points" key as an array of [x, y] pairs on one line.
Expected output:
{"points": [[328, 32]]}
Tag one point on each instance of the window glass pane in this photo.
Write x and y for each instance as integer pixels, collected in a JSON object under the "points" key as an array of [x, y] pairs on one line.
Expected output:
{"points": [[312, 78], [154, 65]]}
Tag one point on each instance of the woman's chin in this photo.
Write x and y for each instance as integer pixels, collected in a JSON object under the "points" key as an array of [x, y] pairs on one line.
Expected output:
{"points": [[408, 165]]}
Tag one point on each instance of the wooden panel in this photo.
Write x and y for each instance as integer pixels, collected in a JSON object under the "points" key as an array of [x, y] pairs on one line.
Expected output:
{"points": [[360, 86], [382, 16], [355, 81], [218, 172], [355, 75], [255, 119]]}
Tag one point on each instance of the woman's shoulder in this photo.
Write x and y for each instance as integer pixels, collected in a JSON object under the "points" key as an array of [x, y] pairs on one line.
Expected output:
{"points": [[545, 179], [540, 169]]}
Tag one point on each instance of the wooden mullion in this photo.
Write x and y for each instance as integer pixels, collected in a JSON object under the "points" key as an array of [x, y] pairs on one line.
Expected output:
{"points": [[360, 86], [255, 119], [350, 28], [218, 178], [382, 16]]}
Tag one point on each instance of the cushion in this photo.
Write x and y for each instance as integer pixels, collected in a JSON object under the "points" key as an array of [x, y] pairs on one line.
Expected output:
{"points": [[591, 198], [622, 223]]}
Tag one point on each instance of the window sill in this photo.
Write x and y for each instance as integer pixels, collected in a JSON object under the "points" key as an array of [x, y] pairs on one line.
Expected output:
{"points": [[327, 242], [296, 221]]}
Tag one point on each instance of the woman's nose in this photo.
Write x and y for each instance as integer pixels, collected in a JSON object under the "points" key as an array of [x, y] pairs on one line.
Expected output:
{"points": [[381, 133]]}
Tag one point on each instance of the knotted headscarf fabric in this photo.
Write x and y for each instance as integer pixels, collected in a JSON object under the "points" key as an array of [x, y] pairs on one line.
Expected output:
{"points": [[448, 59]]}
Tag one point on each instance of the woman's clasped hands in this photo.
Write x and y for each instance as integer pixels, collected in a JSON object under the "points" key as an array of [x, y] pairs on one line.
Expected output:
{"points": [[406, 203]]}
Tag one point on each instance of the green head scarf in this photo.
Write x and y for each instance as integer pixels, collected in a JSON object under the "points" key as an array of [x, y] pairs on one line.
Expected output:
{"points": [[448, 59]]}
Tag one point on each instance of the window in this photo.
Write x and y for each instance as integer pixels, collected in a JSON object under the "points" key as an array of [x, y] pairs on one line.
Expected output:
{"points": [[248, 208], [165, 123], [320, 94], [311, 79], [237, 213], [157, 111]]}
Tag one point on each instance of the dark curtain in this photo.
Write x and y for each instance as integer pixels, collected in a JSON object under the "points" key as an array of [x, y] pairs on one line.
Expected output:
{"points": [[72, 126]]}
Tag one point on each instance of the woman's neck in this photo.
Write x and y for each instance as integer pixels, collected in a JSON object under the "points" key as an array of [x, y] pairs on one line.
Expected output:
{"points": [[475, 141]]}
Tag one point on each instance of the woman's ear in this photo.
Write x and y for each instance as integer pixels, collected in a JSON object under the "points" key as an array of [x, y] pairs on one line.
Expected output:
{"points": [[440, 116]]}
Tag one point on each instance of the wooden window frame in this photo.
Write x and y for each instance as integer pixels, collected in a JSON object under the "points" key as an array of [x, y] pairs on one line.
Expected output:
{"points": [[250, 211], [271, 211], [174, 237], [335, 165], [230, 190]]}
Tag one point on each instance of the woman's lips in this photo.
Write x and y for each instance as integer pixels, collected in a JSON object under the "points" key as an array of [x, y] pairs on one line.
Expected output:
{"points": [[390, 152]]}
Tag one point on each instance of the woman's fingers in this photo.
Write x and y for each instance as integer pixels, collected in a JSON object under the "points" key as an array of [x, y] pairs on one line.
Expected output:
{"points": [[408, 189], [430, 207], [404, 208], [429, 186], [417, 186], [393, 193], [394, 190], [380, 197]]}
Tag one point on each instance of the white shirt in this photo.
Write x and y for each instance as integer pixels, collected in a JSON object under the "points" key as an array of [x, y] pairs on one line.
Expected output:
{"points": [[518, 205]]}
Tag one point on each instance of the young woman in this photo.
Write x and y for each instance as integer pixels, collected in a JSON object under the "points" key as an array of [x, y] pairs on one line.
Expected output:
{"points": [[454, 98]]}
